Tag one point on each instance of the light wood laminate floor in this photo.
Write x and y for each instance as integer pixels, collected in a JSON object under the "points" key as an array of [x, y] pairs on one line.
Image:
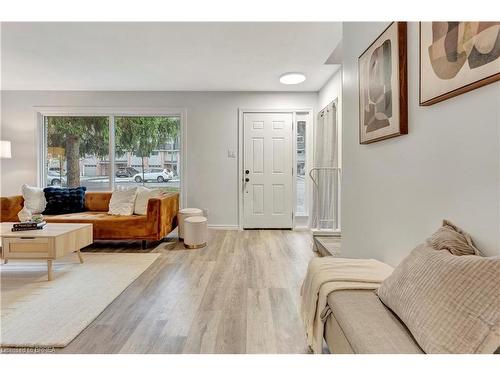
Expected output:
{"points": [[240, 294]]}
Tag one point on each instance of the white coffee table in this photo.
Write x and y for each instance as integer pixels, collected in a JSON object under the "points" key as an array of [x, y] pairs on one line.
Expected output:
{"points": [[49, 243]]}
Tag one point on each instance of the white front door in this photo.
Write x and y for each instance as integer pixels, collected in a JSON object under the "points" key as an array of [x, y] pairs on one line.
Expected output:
{"points": [[267, 170]]}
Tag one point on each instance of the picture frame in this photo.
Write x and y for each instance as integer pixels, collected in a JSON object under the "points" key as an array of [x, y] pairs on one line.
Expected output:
{"points": [[441, 79], [383, 86]]}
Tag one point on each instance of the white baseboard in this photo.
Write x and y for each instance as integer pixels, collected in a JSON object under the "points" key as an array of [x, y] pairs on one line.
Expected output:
{"points": [[223, 227], [326, 233], [301, 228]]}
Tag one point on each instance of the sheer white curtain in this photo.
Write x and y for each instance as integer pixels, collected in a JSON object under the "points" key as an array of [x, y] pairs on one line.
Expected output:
{"points": [[325, 173]]}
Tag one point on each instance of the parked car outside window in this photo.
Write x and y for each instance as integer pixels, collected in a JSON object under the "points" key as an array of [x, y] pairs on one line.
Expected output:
{"points": [[126, 172], [55, 179], [154, 174]]}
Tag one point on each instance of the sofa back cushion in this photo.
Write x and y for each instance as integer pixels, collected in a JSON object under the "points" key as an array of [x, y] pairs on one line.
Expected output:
{"points": [[450, 303], [10, 207], [97, 201], [64, 200]]}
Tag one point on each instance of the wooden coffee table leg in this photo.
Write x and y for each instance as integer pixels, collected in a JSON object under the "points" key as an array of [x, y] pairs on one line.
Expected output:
{"points": [[49, 269], [80, 255]]}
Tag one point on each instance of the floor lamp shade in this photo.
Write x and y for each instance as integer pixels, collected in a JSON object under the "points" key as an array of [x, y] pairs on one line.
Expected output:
{"points": [[5, 150]]}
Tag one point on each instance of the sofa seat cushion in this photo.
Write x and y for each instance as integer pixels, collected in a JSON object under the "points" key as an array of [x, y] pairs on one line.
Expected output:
{"points": [[368, 325], [109, 226], [93, 216]]}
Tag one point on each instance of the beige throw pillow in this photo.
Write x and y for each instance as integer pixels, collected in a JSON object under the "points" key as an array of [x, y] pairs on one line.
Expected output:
{"points": [[122, 202], [143, 196], [34, 198], [450, 303], [455, 240]]}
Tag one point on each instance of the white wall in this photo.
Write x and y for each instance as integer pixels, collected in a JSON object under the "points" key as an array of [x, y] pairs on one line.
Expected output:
{"points": [[212, 130], [331, 90], [397, 191]]}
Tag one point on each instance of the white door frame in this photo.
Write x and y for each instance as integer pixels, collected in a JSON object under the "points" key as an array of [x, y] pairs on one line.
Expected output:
{"points": [[293, 111], [41, 111]]}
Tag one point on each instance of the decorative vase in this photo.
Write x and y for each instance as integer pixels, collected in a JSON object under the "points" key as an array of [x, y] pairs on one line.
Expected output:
{"points": [[24, 215], [37, 218]]}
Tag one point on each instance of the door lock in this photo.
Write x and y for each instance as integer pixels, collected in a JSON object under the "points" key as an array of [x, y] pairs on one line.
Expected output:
{"points": [[247, 171]]}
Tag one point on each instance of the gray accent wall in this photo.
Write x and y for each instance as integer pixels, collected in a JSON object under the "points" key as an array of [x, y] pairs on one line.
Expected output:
{"points": [[396, 192]]}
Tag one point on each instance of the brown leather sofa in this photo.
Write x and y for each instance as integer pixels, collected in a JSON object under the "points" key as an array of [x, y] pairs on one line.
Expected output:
{"points": [[160, 220]]}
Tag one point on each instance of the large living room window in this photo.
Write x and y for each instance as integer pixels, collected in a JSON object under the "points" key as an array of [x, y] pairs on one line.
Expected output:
{"points": [[103, 152], [77, 152], [147, 151]]}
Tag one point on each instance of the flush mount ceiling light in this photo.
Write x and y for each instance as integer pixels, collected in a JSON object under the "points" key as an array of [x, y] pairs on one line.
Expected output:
{"points": [[292, 78]]}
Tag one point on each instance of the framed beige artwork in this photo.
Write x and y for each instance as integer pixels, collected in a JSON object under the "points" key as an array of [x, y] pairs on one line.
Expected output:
{"points": [[456, 57], [382, 77]]}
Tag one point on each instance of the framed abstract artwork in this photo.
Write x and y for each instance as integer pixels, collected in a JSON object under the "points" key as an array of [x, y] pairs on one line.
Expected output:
{"points": [[456, 57], [382, 77]]}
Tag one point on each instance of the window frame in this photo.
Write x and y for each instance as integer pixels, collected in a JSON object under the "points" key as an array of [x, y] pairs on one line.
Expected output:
{"points": [[306, 116], [111, 113]]}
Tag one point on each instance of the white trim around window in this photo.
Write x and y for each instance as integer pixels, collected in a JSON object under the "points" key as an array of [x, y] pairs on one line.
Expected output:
{"points": [[42, 112]]}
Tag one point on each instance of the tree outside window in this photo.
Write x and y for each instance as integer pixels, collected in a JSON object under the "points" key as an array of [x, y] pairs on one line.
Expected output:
{"points": [[146, 151]]}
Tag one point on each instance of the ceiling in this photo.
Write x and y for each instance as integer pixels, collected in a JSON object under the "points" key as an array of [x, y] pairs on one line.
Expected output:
{"points": [[166, 56]]}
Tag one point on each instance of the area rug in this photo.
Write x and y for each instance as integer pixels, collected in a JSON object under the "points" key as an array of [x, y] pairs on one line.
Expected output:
{"points": [[40, 313]]}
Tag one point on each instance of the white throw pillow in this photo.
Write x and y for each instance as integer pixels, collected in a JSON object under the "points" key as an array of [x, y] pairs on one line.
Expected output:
{"points": [[122, 202], [143, 196], [34, 199]]}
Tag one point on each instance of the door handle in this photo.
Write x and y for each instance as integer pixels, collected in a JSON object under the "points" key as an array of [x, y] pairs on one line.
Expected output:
{"points": [[247, 179]]}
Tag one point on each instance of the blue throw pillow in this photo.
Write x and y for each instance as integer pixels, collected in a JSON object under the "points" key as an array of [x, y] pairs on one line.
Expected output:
{"points": [[64, 200]]}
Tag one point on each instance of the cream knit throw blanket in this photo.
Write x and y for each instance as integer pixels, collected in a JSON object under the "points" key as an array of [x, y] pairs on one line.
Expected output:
{"points": [[326, 275]]}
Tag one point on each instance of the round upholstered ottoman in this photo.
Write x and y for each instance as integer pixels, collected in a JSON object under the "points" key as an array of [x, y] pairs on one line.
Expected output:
{"points": [[183, 215], [195, 232]]}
